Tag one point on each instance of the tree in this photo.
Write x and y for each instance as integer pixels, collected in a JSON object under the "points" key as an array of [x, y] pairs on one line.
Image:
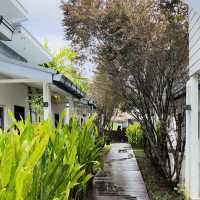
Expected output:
{"points": [[143, 45], [64, 62], [106, 98]]}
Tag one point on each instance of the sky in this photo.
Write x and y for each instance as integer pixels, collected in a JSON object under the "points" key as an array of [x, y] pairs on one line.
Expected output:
{"points": [[195, 4], [45, 22]]}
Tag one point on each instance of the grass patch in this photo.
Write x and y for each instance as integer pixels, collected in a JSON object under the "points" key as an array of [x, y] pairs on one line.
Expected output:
{"points": [[156, 186]]}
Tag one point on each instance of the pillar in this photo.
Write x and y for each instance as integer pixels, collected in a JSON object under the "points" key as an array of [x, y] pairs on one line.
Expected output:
{"points": [[187, 146], [69, 110], [192, 139], [71, 107], [47, 100], [67, 117]]}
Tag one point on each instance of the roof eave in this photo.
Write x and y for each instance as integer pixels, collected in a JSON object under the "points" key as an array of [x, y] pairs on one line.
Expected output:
{"points": [[65, 84]]}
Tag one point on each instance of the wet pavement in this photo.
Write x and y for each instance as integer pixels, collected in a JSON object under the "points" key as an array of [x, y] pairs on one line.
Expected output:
{"points": [[121, 179]]}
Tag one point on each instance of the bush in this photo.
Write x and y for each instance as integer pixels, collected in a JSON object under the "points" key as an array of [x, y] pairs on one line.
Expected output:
{"points": [[135, 135], [43, 162]]}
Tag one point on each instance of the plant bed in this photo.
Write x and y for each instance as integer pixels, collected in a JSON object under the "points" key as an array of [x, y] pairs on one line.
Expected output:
{"points": [[156, 186], [90, 194], [40, 161]]}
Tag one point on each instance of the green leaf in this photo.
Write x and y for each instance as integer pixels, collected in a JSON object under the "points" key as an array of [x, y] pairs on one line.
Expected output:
{"points": [[6, 162]]}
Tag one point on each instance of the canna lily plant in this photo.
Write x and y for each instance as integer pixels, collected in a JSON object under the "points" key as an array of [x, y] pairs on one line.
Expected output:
{"points": [[41, 162]]}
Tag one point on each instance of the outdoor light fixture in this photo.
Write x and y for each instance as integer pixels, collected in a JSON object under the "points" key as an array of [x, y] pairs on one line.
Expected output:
{"points": [[188, 107], [67, 105], [6, 30], [45, 104]]}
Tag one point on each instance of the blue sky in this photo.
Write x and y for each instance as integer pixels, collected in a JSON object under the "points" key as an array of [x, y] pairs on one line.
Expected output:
{"points": [[45, 22]]}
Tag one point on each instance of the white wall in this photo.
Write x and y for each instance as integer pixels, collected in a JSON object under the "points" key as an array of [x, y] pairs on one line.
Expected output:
{"points": [[57, 109], [192, 144], [10, 95], [194, 36]]}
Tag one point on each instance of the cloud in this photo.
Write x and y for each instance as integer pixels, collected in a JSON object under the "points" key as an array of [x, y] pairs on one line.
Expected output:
{"points": [[45, 22], [45, 18], [55, 42]]}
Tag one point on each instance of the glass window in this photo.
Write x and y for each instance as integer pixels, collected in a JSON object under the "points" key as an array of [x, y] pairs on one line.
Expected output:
{"points": [[1, 118]]}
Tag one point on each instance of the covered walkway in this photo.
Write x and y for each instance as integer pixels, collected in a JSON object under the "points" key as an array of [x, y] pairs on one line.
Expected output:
{"points": [[121, 179]]}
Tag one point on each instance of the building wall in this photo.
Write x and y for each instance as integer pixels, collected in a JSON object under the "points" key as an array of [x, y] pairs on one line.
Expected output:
{"points": [[57, 109], [9, 53], [182, 102], [194, 36], [10, 95], [192, 159]]}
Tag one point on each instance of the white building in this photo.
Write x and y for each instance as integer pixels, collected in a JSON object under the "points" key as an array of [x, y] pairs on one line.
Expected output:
{"points": [[192, 154], [20, 73], [122, 120]]}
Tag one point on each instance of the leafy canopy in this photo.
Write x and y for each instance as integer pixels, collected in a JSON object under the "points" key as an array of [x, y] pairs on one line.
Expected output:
{"points": [[64, 62]]}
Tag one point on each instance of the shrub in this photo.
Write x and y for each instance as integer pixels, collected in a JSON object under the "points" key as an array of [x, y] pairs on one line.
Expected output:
{"points": [[135, 135], [43, 162]]}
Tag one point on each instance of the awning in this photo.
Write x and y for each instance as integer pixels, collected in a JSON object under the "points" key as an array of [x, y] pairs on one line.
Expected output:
{"points": [[33, 73]]}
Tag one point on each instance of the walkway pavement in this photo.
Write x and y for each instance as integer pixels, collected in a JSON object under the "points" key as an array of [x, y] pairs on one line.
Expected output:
{"points": [[122, 179]]}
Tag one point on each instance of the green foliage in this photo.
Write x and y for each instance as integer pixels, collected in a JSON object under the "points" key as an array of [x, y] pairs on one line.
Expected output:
{"points": [[157, 187], [135, 135], [64, 62], [182, 190], [158, 127], [37, 106], [43, 162]]}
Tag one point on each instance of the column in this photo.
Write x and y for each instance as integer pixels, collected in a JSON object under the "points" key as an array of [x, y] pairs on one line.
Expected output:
{"points": [[71, 107], [192, 145], [67, 117], [187, 146], [69, 110], [47, 100]]}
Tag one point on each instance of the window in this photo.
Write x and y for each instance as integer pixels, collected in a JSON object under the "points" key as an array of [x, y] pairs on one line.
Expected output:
{"points": [[1, 117], [57, 118], [19, 112]]}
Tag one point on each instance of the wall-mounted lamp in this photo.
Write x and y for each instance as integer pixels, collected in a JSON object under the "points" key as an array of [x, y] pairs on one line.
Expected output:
{"points": [[67, 105], [45, 104], [188, 107]]}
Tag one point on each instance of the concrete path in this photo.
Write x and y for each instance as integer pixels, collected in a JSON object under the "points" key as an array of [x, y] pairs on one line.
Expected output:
{"points": [[122, 179]]}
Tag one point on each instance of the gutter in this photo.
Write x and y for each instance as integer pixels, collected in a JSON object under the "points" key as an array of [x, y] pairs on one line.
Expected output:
{"points": [[181, 93], [67, 85], [93, 104], [58, 80], [89, 103]]}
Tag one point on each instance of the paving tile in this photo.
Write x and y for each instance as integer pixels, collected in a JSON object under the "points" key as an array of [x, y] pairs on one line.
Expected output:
{"points": [[122, 179]]}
